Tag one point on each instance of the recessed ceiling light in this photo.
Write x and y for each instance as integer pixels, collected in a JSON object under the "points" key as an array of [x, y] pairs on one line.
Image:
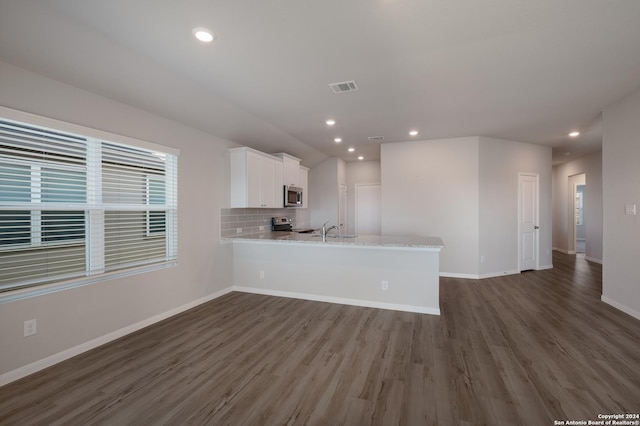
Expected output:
{"points": [[337, 140], [203, 34], [574, 134], [330, 122], [361, 158], [413, 133], [351, 149]]}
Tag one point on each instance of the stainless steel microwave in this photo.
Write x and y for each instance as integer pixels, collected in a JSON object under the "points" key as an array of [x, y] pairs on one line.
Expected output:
{"points": [[292, 196]]}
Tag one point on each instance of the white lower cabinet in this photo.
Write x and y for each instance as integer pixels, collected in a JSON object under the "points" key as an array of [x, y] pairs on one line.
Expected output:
{"points": [[255, 178]]}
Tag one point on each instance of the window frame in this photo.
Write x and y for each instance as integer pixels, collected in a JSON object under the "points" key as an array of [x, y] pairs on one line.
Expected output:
{"points": [[93, 272]]}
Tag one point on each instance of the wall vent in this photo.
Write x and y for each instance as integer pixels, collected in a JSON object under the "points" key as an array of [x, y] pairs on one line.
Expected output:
{"points": [[376, 138], [345, 86]]}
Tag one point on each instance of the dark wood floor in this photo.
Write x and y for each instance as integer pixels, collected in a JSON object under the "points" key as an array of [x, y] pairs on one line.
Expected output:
{"points": [[522, 349]]}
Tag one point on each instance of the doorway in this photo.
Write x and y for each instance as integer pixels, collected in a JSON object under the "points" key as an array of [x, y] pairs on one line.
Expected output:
{"points": [[528, 235], [577, 236]]}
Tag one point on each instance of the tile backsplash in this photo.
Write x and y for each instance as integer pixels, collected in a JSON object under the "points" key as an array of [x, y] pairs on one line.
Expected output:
{"points": [[248, 221]]}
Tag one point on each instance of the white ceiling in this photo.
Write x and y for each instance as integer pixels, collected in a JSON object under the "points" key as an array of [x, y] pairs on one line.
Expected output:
{"points": [[523, 70]]}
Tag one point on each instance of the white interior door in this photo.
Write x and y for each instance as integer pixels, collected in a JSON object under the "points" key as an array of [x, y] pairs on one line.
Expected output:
{"points": [[528, 222], [367, 204]]}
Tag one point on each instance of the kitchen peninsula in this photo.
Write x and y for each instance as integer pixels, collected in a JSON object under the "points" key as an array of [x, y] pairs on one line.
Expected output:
{"points": [[381, 271]]}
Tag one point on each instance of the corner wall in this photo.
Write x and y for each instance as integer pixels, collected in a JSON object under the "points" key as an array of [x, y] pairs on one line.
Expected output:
{"points": [[591, 166], [79, 317], [621, 187], [430, 188], [501, 161], [324, 181], [465, 190]]}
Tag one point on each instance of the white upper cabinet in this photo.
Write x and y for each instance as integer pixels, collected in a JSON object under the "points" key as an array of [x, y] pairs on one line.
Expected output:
{"points": [[256, 179], [291, 169]]}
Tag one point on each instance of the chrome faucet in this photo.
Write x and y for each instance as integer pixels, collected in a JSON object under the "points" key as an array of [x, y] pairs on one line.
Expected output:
{"points": [[325, 231]]}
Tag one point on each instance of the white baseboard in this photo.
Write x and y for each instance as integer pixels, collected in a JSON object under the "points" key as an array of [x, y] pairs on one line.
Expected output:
{"points": [[478, 276], [498, 274], [565, 251], [490, 274], [620, 306], [455, 275], [41, 364], [590, 259], [339, 300]]}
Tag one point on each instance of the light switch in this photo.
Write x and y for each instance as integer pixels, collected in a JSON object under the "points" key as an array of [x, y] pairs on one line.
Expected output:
{"points": [[630, 209]]}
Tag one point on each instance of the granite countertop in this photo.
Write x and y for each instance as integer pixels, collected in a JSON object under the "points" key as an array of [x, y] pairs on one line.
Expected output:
{"points": [[401, 241]]}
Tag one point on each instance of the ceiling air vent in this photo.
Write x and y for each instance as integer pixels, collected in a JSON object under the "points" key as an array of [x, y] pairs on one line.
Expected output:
{"points": [[345, 86], [376, 138]]}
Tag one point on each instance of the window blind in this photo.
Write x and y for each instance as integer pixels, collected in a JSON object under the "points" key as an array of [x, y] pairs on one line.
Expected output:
{"points": [[73, 206]]}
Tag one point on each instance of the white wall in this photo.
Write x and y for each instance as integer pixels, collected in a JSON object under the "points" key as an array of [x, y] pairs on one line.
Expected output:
{"points": [[465, 190], [340, 273], [591, 166], [359, 172], [72, 318], [324, 180], [430, 188], [500, 163], [621, 186]]}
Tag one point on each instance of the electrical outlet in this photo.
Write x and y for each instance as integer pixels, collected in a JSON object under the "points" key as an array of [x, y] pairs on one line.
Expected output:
{"points": [[239, 230], [261, 228], [262, 275], [30, 327], [630, 209], [385, 285]]}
